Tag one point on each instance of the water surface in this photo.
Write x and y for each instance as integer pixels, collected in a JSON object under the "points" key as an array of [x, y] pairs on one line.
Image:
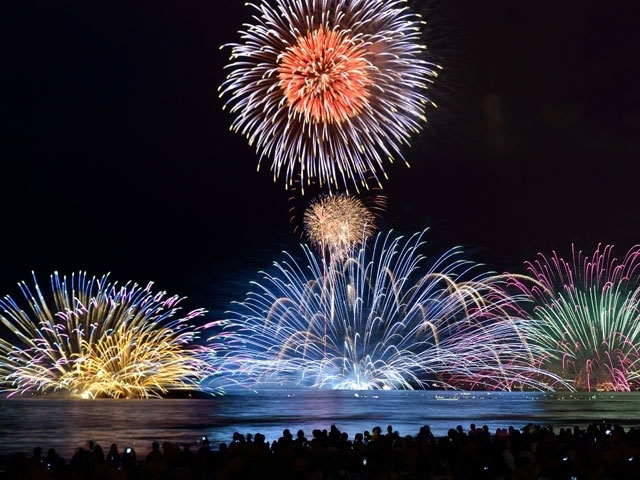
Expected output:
{"points": [[66, 424]]}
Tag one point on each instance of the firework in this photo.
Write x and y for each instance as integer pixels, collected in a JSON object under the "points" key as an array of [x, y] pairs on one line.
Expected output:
{"points": [[337, 223], [377, 320], [95, 338], [586, 317], [373, 200], [329, 89]]}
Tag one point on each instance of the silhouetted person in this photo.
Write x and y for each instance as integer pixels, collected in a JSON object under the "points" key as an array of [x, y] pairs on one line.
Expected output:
{"points": [[113, 456], [222, 450], [286, 440], [80, 462], [129, 460], [53, 460], [98, 453], [36, 459], [154, 455], [601, 451], [334, 433], [259, 439], [300, 439], [205, 446]]}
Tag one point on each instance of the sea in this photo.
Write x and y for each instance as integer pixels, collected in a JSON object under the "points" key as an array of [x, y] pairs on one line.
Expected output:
{"points": [[68, 423]]}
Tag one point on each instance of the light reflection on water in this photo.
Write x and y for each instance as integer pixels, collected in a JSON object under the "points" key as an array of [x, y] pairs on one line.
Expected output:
{"points": [[66, 424]]}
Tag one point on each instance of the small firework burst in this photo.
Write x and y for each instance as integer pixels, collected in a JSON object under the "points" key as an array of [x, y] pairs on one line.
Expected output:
{"points": [[329, 89], [95, 338], [586, 317], [338, 223], [379, 320], [373, 200]]}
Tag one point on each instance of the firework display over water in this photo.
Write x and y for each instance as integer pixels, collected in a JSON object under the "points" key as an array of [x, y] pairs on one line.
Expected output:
{"points": [[95, 338], [134, 136]]}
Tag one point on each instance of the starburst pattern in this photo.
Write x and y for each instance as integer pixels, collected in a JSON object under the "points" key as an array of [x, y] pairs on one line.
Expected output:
{"points": [[95, 338], [379, 320], [586, 317], [338, 223], [329, 89], [324, 77]]}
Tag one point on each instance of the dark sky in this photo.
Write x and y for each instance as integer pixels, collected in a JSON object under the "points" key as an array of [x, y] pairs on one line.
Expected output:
{"points": [[117, 155]]}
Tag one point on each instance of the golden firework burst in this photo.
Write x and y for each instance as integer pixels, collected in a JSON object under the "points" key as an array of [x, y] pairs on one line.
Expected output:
{"points": [[338, 223], [100, 339]]}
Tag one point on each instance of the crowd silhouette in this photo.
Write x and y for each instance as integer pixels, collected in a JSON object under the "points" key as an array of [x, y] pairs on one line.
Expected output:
{"points": [[601, 451]]}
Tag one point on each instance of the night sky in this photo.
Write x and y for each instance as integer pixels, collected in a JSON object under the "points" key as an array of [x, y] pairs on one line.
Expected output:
{"points": [[117, 155]]}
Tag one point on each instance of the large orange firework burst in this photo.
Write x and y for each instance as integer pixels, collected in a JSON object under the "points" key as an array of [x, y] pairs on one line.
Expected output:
{"points": [[329, 90]]}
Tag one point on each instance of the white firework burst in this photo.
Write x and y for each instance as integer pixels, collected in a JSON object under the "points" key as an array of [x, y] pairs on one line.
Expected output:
{"points": [[329, 89]]}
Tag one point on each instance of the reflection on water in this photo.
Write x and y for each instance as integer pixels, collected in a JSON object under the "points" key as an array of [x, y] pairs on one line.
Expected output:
{"points": [[67, 424]]}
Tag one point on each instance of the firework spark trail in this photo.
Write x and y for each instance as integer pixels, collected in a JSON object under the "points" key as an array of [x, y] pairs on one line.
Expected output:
{"points": [[99, 338], [587, 317], [329, 89], [390, 325]]}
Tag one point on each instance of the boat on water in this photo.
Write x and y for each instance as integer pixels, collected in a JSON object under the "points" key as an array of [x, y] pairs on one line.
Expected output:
{"points": [[443, 398]]}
